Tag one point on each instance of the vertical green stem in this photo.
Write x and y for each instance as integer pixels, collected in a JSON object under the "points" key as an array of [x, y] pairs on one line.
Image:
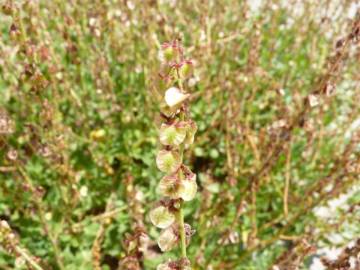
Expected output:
{"points": [[180, 216], [180, 219], [182, 233]]}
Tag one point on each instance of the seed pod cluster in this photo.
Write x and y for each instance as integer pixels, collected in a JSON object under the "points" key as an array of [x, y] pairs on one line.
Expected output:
{"points": [[178, 185]]}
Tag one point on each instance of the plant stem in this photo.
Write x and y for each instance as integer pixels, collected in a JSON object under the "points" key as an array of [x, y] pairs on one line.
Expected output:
{"points": [[180, 218], [180, 212]]}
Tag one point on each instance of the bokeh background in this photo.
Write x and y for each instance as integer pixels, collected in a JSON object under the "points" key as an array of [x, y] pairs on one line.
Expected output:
{"points": [[275, 94]]}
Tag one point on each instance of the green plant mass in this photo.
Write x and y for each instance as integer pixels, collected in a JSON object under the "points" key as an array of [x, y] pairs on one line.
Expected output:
{"points": [[179, 135]]}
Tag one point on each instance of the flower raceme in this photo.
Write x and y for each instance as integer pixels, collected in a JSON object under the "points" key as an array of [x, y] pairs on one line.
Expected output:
{"points": [[176, 134]]}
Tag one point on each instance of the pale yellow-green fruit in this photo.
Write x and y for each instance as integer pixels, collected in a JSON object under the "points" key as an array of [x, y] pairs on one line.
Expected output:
{"points": [[168, 161], [190, 133], [161, 217], [170, 53], [188, 188], [167, 239], [170, 186], [186, 70], [174, 134]]}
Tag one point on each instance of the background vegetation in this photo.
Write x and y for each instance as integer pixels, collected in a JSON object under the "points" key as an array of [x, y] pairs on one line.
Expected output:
{"points": [[275, 95]]}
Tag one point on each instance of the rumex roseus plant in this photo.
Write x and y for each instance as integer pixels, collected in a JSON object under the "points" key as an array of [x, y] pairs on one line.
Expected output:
{"points": [[276, 156], [176, 133]]}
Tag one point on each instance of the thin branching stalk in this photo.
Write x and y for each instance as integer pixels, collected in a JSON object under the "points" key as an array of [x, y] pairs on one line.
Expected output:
{"points": [[180, 219], [28, 258]]}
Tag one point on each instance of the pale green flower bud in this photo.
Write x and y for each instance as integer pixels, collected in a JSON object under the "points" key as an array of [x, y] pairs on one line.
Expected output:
{"points": [[168, 161], [161, 217], [190, 133], [167, 239], [186, 69], [169, 52], [173, 134]]}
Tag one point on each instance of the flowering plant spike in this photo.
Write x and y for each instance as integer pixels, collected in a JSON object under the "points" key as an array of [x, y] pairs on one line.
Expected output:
{"points": [[176, 133]]}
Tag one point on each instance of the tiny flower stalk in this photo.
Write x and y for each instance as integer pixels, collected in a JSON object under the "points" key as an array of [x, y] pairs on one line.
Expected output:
{"points": [[176, 133]]}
